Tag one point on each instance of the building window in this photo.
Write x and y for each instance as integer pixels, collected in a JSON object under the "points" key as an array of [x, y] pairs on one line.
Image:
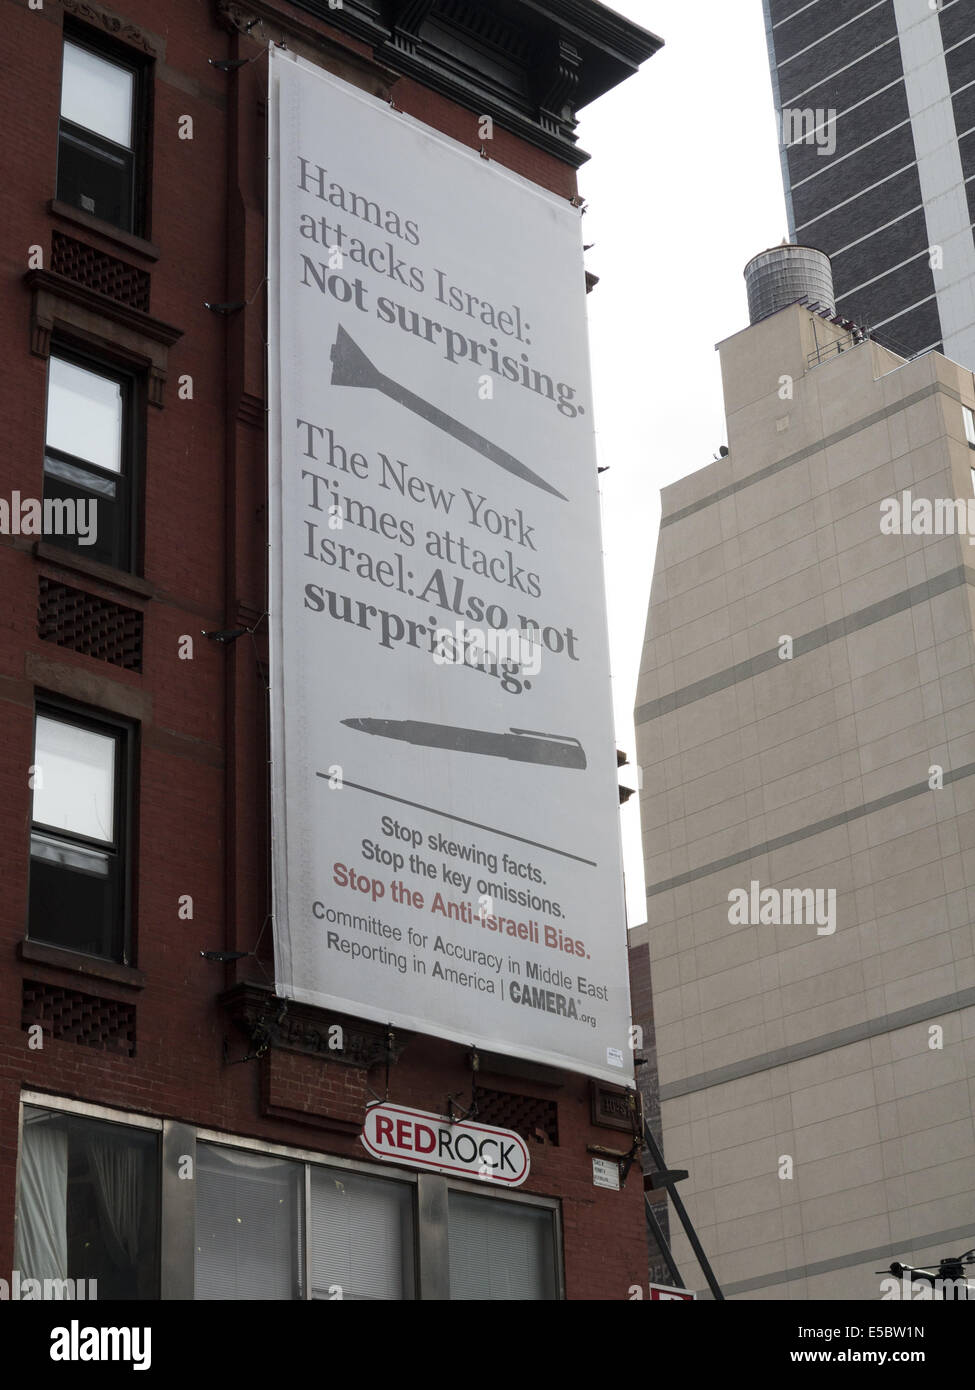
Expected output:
{"points": [[100, 136], [88, 1206], [249, 1225], [94, 1203], [252, 1230], [79, 823], [270, 1227], [88, 460], [500, 1250], [969, 416], [361, 1236]]}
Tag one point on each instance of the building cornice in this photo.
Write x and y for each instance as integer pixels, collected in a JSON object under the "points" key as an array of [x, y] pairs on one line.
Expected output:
{"points": [[530, 65]]}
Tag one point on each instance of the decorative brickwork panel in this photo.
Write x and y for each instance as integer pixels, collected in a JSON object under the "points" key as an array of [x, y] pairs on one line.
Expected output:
{"points": [[97, 271], [527, 1115], [90, 625], [312, 1086], [69, 1016]]}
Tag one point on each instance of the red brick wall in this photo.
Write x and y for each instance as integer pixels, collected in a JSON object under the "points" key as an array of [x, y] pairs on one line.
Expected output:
{"points": [[202, 793]]}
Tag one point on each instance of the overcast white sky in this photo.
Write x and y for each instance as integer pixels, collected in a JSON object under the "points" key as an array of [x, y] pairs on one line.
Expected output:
{"points": [[684, 187]]}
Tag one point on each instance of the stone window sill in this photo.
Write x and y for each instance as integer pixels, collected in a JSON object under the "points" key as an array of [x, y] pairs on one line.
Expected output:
{"points": [[104, 574], [103, 229], [36, 953]]}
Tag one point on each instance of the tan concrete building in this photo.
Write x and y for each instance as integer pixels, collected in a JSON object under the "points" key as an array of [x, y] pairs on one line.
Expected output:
{"points": [[805, 675]]}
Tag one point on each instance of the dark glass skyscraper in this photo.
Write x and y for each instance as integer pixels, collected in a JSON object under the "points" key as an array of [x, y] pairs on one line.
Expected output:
{"points": [[876, 102]]}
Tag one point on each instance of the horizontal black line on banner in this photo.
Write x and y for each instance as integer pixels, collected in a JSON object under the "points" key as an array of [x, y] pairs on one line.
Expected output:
{"points": [[436, 811]]}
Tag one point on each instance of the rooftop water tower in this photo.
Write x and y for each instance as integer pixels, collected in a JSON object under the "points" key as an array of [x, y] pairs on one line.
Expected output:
{"points": [[781, 276]]}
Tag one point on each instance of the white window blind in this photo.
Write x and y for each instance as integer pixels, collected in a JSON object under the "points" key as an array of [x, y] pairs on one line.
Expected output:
{"points": [[248, 1225], [84, 414], [500, 1250], [361, 1236], [97, 94], [74, 779]]}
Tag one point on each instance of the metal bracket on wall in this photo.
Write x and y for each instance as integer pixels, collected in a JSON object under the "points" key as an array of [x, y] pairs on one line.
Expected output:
{"points": [[387, 1055], [624, 1158], [455, 1113], [261, 1038]]}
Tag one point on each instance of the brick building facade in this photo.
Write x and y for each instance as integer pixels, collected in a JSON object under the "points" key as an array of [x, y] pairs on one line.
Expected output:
{"points": [[132, 304]]}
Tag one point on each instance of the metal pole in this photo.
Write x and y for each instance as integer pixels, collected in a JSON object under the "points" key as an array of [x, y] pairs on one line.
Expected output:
{"points": [[685, 1220], [659, 1237]]}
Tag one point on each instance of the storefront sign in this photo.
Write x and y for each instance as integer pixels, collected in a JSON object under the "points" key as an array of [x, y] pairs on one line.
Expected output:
{"points": [[465, 1149]]}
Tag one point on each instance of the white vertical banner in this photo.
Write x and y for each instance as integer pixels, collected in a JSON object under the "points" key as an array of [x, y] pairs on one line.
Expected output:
{"points": [[445, 829]]}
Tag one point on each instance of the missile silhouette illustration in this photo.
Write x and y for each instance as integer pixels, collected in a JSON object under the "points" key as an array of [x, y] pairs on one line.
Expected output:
{"points": [[351, 367], [518, 745]]}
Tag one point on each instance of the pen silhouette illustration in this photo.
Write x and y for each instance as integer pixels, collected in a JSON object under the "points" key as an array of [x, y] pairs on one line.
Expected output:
{"points": [[351, 367], [519, 745]]}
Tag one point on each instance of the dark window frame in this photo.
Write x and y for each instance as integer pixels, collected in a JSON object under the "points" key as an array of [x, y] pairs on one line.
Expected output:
{"points": [[75, 1117], [125, 733], [141, 67], [128, 550]]}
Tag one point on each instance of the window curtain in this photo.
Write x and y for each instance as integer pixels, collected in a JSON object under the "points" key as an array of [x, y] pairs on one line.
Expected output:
{"points": [[42, 1235], [116, 1170]]}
